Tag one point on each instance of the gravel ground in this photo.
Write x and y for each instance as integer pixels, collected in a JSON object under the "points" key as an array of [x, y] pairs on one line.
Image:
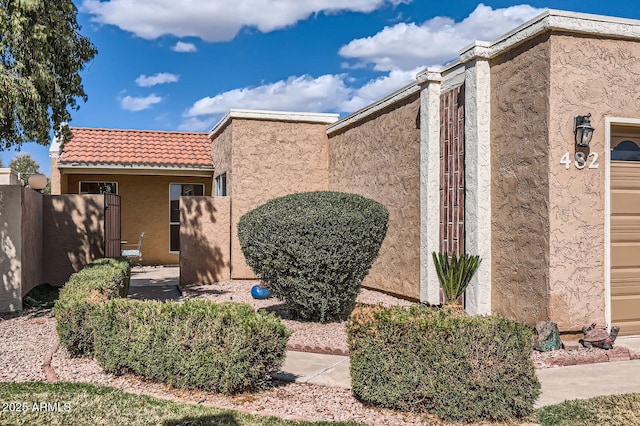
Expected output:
{"points": [[25, 341]]}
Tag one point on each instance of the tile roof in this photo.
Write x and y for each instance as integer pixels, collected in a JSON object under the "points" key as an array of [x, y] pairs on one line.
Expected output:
{"points": [[137, 148]]}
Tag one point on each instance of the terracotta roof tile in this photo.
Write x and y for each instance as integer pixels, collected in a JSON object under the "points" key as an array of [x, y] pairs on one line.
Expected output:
{"points": [[137, 147]]}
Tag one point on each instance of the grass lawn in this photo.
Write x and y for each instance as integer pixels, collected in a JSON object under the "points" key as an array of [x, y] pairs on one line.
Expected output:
{"points": [[622, 410], [79, 404], [71, 404]]}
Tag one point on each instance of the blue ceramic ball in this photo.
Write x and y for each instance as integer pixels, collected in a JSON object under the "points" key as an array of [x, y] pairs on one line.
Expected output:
{"points": [[260, 293]]}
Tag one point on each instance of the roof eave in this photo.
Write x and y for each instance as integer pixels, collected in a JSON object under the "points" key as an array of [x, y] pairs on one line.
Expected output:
{"points": [[116, 166]]}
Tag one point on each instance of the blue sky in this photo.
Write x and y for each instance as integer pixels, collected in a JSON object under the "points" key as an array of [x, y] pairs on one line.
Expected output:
{"points": [[180, 65]]}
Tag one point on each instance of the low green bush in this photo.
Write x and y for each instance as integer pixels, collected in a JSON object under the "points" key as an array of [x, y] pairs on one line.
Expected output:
{"points": [[312, 250], [194, 344], [444, 362], [101, 280]]}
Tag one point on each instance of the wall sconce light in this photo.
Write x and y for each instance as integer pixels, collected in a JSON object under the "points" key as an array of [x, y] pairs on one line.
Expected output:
{"points": [[37, 182], [582, 129]]}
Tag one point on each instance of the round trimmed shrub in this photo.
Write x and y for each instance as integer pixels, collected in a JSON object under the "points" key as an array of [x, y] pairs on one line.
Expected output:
{"points": [[313, 249]]}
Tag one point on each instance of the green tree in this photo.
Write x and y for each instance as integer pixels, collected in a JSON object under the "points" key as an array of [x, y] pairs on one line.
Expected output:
{"points": [[26, 166], [41, 55]]}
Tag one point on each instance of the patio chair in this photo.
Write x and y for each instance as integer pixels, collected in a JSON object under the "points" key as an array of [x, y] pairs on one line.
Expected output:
{"points": [[133, 252]]}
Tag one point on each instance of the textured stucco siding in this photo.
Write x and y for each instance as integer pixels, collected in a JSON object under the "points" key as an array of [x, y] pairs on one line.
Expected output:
{"points": [[520, 182], [380, 159], [145, 208], [272, 159], [73, 234], [10, 248], [205, 240], [221, 155], [601, 77], [31, 240], [56, 177]]}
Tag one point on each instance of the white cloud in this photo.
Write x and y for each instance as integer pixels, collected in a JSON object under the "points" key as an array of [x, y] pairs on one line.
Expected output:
{"points": [[195, 124], [131, 103], [302, 93], [436, 41], [400, 52], [377, 89], [184, 47], [218, 20], [159, 78]]}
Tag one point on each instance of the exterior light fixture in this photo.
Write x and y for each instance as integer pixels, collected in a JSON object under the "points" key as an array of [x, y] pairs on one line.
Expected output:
{"points": [[582, 129], [37, 181]]}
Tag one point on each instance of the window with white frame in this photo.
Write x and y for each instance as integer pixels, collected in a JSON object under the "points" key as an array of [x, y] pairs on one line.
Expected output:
{"points": [[176, 190], [98, 188], [221, 185]]}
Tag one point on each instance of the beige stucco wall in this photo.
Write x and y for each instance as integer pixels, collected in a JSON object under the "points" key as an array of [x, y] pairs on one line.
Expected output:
{"points": [[520, 182], [599, 76], [548, 233], [56, 177], [21, 241], [221, 155], [205, 240], [73, 234], [144, 208], [31, 253], [11, 248], [379, 158], [271, 159]]}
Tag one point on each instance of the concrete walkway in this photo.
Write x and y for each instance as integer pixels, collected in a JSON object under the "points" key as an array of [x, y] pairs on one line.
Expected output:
{"points": [[558, 384]]}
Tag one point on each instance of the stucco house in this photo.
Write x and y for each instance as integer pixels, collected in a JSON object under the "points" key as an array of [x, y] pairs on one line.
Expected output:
{"points": [[523, 150], [149, 170]]}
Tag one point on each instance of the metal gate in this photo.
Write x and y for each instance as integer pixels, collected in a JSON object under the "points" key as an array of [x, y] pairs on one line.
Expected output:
{"points": [[112, 229]]}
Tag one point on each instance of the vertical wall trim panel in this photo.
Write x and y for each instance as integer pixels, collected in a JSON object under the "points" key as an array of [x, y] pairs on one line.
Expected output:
{"points": [[430, 170]]}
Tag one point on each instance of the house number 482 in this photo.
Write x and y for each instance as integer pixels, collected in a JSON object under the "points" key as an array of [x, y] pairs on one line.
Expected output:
{"points": [[580, 160]]}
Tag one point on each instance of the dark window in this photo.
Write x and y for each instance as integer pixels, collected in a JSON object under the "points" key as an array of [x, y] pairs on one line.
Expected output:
{"points": [[176, 190], [626, 151], [98, 188], [221, 185]]}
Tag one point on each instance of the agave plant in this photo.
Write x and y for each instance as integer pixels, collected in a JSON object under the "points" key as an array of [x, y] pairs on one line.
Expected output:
{"points": [[455, 273]]}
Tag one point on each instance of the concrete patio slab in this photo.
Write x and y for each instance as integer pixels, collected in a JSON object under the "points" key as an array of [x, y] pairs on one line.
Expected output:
{"points": [[155, 283], [155, 275]]}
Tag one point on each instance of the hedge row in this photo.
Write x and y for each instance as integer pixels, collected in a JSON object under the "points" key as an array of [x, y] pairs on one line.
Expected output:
{"points": [[99, 281], [196, 344], [459, 367]]}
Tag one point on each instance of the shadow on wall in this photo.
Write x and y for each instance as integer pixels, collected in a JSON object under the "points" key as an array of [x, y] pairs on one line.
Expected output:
{"points": [[73, 234], [205, 240], [10, 291]]}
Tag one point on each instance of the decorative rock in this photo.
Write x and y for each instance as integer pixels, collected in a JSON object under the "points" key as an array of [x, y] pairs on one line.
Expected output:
{"points": [[594, 357], [619, 353], [599, 337], [548, 337]]}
